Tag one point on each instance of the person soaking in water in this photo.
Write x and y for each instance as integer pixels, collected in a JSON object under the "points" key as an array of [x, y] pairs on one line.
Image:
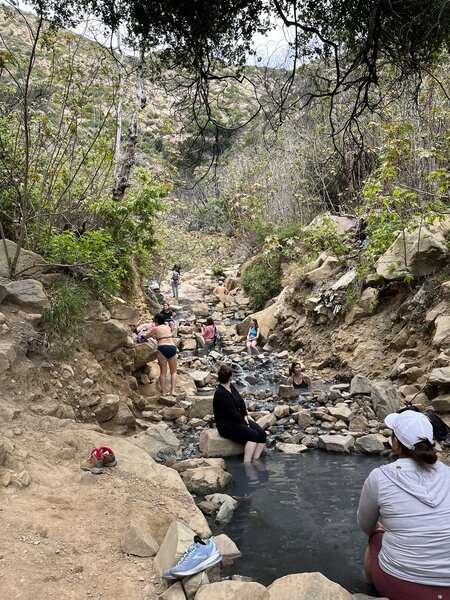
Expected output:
{"points": [[405, 510], [296, 377], [232, 419]]}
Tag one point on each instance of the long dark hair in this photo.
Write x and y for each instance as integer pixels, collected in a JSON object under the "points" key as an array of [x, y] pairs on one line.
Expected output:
{"points": [[292, 367]]}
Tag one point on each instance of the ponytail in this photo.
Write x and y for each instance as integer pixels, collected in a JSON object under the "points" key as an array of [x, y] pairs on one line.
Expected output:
{"points": [[423, 453]]}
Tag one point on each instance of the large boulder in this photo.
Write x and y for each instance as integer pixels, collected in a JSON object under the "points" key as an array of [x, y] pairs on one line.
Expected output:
{"points": [[420, 252], [336, 443], [440, 376], [385, 398], [326, 271], [307, 586], [157, 437], [27, 293], [373, 443], [212, 444], [200, 406], [122, 312], [107, 335], [442, 334], [206, 479], [178, 537], [30, 263], [232, 590], [145, 353]]}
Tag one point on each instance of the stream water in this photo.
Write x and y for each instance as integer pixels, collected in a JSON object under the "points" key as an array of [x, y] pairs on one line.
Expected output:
{"points": [[298, 514]]}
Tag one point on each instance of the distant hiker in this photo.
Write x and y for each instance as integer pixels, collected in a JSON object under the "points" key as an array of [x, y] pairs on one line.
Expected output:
{"points": [[167, 353], [176, 268], [220, 290], [208, 334], [232, 419], [168, 315], [252, 338], [175, 280], [297, 379], [154, 285]]}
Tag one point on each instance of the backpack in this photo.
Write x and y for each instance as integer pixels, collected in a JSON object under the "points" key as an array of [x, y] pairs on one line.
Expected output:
{"points": [[175, 276], [217, 336], [440, 429]]}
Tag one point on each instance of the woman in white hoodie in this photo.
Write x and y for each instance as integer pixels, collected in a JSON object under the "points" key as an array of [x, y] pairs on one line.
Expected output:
{"points": [[405, 510]]}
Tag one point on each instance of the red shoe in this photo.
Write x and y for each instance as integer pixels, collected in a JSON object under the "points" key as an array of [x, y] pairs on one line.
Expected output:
{"points": [[109, 460]]}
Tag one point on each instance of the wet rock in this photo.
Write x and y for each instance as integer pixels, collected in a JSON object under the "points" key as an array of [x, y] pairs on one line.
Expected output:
{"points": [[336, 443], [291, 448], [136, 542]]}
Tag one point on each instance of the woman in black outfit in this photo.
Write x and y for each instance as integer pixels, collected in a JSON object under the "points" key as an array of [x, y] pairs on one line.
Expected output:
{"points": [[232, 420], [297, 379]]}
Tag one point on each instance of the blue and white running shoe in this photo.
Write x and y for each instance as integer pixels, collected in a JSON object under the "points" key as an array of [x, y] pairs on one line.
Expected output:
{"points": [[198, 556]]}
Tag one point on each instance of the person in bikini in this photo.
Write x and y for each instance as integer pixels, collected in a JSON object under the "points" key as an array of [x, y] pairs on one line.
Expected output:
{"points": [[167, 352], [297, 379]]}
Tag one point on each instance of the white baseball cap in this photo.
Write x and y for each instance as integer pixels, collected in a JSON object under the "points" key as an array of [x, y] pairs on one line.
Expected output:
{"points": [[410, 427]]}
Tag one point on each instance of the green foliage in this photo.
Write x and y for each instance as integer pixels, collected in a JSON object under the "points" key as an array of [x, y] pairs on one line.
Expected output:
{"points": [[261, 281], [131, 222], [92, 258], [67, 309], [352, 293], [218, 271]]}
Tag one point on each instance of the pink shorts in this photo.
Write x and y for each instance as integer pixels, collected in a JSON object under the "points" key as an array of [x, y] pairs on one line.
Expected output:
{"points": [[398, 589]]}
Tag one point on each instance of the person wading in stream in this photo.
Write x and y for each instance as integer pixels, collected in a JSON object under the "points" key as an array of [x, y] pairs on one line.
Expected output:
{"points": [[405, 510], [232, 419], [167, 353]]}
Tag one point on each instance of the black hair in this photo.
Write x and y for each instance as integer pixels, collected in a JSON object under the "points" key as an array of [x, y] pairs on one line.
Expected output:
{"points": [[210, 321], [159, 319], [224, 373], [292, 367], [423, 452]]}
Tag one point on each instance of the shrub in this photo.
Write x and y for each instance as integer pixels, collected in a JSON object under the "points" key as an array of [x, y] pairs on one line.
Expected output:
{"points": [[67, 309], [218, 271], [262, 280]]}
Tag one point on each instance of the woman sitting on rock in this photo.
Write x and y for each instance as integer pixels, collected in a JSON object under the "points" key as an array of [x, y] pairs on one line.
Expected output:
{"points": [[167, 352], [232, 419], [405, 510], [297, 379], [252, 338]]}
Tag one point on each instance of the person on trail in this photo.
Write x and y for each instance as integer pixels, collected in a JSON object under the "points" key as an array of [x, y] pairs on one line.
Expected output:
{"points": [[232, 419], [168, 315], [208, 334], [220, 289], [252, 338], [405, 510], [167, 353], [175, 280], [296, 377]]}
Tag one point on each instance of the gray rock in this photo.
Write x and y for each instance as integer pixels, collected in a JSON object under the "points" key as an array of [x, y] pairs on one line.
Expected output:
{"points": [[212, 444], [107, 408], [307, 586], [440, 376], [107, 336], [30, 263], [336, 443], [136, 542], [145, 353], [360, 385], [385, 398], [155, 438], [442, 334], [374, 443], [27, 293]]}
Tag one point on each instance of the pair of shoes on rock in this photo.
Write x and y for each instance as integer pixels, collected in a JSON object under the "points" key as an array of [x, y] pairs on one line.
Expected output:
{"points": [[200, 555], [97, 459]]}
